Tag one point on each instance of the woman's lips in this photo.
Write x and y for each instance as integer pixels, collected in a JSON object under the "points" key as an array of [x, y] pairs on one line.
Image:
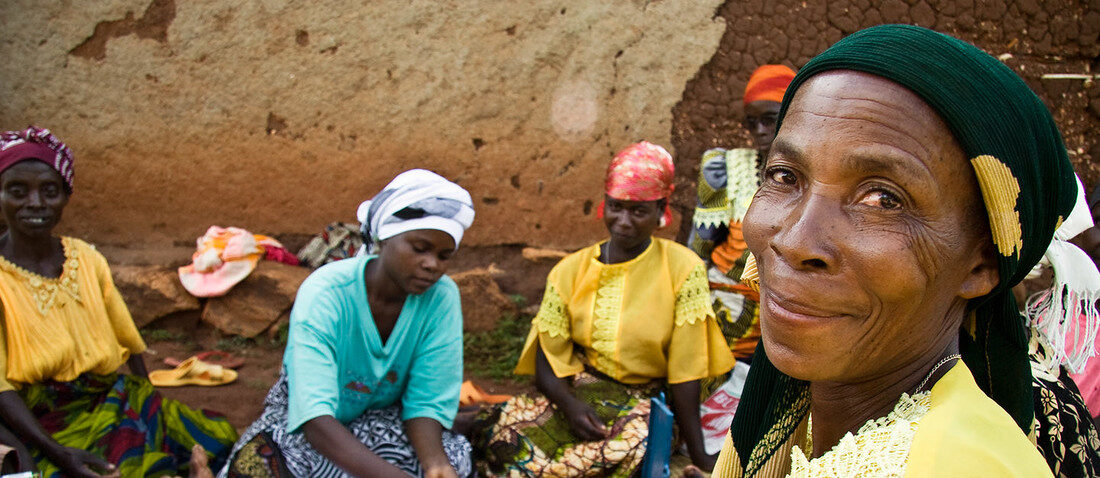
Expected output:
{"points": [[421, 282], [796, 312]]}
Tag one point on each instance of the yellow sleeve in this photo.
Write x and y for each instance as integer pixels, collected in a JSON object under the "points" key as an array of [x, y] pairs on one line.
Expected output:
{"points": [[117, 312], [4, 384], [697, 349], [551, 329]]}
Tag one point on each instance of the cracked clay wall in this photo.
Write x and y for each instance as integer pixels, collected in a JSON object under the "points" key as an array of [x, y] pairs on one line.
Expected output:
{"points": [[1033, 37], [281, 116]]}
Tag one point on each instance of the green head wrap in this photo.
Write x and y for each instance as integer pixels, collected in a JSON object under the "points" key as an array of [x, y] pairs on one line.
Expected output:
{"points": [[1027, 184]]}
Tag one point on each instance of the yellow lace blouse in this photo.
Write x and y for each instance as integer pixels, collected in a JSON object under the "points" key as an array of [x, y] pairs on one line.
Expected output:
{"points": [[59, 328], [954, 430], [636, 321]]}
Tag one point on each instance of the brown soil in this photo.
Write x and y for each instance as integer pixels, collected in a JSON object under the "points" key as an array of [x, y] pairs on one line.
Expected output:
{"points": [[240, 401]]}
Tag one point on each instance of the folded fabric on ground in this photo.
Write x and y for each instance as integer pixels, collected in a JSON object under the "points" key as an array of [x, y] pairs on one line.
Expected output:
{"points": [[224, 257], [339, 240]]}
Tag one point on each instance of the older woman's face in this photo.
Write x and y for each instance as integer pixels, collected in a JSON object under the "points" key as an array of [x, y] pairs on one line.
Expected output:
{"points": [[867, 230]]}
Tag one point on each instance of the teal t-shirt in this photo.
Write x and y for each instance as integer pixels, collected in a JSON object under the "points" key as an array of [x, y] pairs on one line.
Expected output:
{"points": [[336, 363]]}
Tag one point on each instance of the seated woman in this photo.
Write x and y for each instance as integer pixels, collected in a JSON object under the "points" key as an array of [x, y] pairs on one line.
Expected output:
{"points": [[65, 332], [373, 363], [913, 181], [636, 307]]}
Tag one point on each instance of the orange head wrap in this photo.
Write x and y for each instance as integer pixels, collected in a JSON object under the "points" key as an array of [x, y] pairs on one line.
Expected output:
{"points": [[641, 172], [768, 82]]}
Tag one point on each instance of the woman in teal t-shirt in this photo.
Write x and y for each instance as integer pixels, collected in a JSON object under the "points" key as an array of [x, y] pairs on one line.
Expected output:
{"points": [[373, 364]]}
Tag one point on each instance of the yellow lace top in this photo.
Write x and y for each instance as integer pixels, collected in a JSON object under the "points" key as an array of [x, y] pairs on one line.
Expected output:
{"points": [[879, 449], [59, 328], [954, 430], [636, 321]]}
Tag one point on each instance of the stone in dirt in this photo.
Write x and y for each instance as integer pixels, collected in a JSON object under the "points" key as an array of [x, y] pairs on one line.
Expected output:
{"points": [[152, 292], [483, 303], [536, 254], [253, 305]]}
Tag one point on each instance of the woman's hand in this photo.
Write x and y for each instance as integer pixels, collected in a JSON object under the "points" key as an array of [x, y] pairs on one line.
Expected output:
{"points": [[444, 471], [583, 421], [80, 463], [582, 418]]}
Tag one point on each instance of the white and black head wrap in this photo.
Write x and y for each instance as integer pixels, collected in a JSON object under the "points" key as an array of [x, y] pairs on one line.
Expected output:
{"points": [[416, 199]]}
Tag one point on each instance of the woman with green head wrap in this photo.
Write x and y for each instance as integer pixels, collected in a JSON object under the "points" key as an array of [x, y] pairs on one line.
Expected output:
{"points": [[913, 181]]}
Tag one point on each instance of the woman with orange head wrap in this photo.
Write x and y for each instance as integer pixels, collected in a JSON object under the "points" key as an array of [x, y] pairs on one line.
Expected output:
{"points": [[727, 181], [620, 321]]}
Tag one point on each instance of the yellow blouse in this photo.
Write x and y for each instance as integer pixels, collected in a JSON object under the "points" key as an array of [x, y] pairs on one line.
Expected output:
{"points": [[953, 430], [644, 319], [59, 328]]}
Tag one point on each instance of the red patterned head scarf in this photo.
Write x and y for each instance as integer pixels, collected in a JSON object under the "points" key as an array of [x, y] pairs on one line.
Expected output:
{"points": [[39, 144], [769, 82], [641, 172]]}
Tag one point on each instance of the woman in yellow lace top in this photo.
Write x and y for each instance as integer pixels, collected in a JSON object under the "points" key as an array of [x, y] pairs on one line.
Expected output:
{"points": [[65, 332], [913, 180], [619, 319]]}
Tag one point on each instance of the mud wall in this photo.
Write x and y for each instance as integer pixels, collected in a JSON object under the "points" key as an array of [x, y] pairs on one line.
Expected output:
{"points": [[281, 116], [1033, 37]]}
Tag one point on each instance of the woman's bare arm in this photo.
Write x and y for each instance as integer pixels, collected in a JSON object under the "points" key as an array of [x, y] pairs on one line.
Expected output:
{"points": [[333, 441], [685, 408]]}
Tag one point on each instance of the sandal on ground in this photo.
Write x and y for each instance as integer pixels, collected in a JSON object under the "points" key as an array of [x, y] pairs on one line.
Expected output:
{"points": [[193, 372], [472, 394], [212, 357]]}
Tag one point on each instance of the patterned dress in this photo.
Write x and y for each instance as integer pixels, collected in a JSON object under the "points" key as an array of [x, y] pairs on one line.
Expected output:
{"points": [[63, 339], [635, 326]]}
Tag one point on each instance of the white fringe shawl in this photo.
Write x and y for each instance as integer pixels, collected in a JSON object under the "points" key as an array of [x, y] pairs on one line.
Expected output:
{"points": [[1066, 315]]}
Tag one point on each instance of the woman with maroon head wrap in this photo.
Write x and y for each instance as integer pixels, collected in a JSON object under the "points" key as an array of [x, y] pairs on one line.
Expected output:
{"points": [[64, 333]]}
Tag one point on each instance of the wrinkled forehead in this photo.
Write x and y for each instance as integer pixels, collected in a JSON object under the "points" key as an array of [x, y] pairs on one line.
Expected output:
{"points": [[858, 91]]}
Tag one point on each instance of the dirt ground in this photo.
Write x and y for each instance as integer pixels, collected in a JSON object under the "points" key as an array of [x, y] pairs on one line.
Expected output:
{"points": [[183, 335]]}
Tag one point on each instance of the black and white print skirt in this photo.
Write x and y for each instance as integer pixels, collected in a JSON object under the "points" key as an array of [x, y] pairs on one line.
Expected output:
{"points": [[267, 450]]}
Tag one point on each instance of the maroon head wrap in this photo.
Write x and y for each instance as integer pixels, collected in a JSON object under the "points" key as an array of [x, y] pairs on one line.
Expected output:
{"points": [[39, 144]]}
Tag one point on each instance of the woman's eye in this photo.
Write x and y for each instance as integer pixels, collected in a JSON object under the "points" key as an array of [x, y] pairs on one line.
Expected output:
{"points": [[51, 191], [17, 191], [782, 176], [881, 199]]}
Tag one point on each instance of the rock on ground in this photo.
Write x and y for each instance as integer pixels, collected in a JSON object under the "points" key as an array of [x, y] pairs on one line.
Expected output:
{"points": [[256, 303], [483, 303], [152, 292]]}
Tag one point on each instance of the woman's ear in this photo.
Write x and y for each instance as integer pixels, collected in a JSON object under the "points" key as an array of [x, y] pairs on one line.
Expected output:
{"points": [[984, 272]]}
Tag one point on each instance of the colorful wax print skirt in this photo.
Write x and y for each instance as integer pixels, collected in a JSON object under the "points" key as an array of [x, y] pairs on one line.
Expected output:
{"points": [[124, 420], [530, 439], [266, 449]]}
